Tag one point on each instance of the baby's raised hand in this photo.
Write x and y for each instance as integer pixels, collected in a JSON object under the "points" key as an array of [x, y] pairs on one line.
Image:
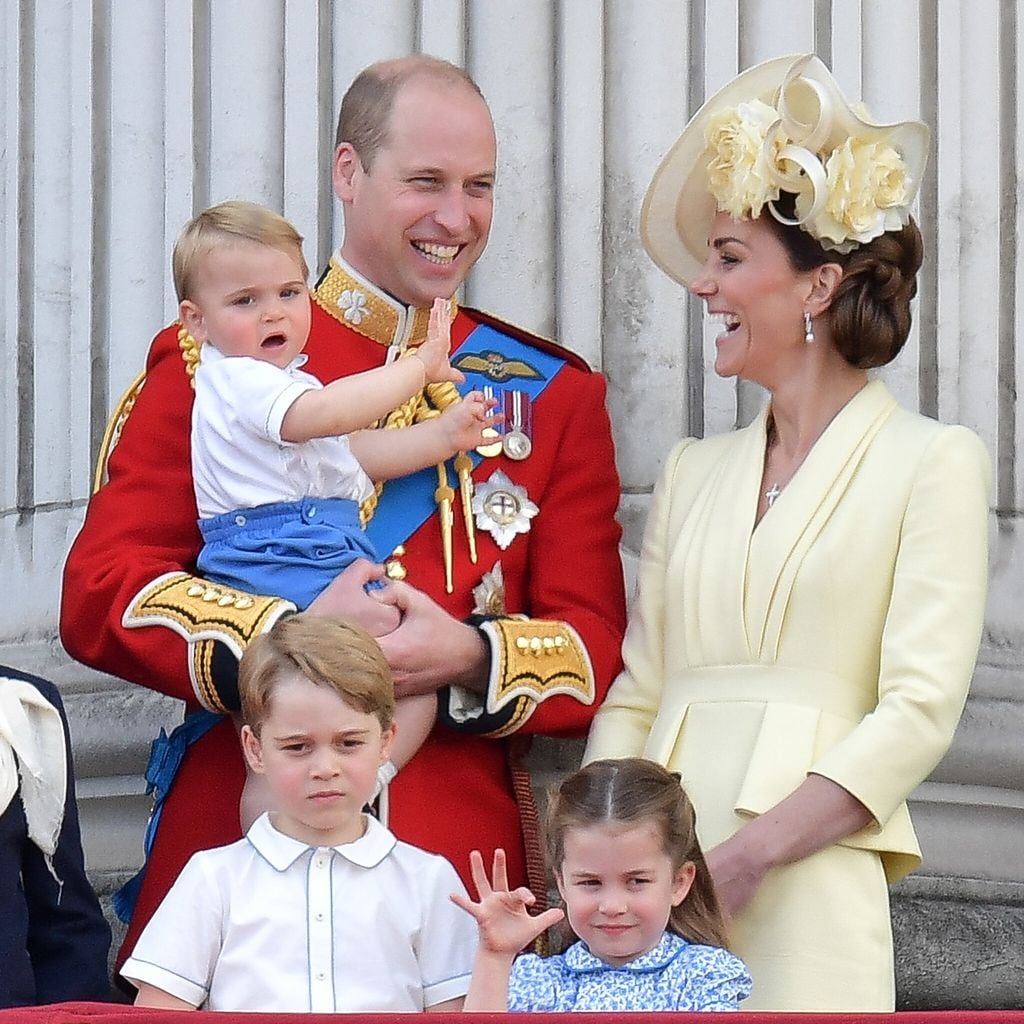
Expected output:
{"points": [[464, 422], [433, 353], [502, 916]]}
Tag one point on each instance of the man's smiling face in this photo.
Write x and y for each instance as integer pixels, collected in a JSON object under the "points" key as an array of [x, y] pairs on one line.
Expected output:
{"points": [[418, 219]]}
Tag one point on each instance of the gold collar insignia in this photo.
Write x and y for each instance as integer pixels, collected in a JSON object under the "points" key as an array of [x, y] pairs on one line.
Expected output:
{"points": [[371, 312]]}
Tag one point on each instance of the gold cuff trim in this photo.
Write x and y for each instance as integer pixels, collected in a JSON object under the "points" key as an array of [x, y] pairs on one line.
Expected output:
{"points": [[532, 660], [203, 613], [200, 671]]}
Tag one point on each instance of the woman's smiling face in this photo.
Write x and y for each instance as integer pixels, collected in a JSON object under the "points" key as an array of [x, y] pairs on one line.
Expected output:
{"points": [[750, 285]]}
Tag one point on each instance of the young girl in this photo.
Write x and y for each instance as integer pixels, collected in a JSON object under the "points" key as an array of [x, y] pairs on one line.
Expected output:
{"points": [[623, 845]]}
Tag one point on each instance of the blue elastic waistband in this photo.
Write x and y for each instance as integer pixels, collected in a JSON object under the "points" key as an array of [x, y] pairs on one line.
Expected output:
{"points": [[340, 512]]}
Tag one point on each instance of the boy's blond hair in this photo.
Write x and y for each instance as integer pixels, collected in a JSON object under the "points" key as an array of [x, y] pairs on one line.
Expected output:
{"points": [[328, 652], [226, 223]]}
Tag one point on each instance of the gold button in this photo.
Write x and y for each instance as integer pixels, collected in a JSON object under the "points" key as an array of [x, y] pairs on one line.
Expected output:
{"points": [[395, 571], [399, 551]]}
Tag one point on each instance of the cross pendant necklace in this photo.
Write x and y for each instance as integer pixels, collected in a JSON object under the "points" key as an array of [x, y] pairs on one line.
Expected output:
{"points": [[770, 441]]}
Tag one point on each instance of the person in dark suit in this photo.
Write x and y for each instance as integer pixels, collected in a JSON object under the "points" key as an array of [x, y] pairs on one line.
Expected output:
{"points": [[53, 937]]}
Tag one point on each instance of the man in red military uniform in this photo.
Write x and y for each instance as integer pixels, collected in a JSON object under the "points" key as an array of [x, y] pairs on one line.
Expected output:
{"points": [[505, 566]]}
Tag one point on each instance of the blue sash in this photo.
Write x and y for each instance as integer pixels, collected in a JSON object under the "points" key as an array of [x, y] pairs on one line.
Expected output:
{"points": [[407, 503]]}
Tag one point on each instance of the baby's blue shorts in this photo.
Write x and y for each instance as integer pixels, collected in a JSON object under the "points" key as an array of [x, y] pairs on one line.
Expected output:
{"points": [[292, 549]]}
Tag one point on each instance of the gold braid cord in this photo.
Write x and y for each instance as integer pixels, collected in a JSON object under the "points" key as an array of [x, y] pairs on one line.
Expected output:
{"points": [[424, 405], [532, 660], [203, 614], [114, 427], [189, 353]]}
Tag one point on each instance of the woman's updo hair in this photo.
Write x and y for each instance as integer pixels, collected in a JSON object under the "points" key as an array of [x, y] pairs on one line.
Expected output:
{"points": [[869, 315]]}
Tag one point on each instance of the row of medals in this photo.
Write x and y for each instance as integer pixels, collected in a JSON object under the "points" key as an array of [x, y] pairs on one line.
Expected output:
{"points": [[516, 442]]}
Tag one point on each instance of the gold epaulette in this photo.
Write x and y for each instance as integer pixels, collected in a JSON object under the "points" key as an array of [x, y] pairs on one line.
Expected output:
{"points": [[190, 355]]}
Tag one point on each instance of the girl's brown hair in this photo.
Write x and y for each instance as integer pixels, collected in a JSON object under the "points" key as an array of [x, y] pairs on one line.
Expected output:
{"points": [[629, 791]]}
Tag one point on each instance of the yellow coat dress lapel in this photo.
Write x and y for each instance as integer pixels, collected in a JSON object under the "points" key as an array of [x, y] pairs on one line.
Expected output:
{"points": [[792, 525]]}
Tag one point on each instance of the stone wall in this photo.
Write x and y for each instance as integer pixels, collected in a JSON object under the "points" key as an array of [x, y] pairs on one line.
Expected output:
{"points": [[119, 120]]}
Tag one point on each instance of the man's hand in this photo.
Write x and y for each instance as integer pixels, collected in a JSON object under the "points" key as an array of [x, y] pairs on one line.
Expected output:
{"points": [[346, 598], [430, 648]]}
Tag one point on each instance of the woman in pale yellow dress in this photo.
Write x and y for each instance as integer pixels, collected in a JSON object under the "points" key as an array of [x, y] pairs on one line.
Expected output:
{"points": [[811, 587]]}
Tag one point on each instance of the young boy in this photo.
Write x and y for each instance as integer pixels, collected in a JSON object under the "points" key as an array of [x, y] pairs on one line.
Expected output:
{"points": [[278, 472], [53, 938], [319, 908]]}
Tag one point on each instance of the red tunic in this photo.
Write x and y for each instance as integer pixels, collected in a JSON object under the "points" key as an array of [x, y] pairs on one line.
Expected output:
{"points": [[457, 792]]}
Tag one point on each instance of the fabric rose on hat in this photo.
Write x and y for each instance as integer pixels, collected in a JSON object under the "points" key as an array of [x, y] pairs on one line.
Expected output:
{"points": [[868, 190], [739, 171]]}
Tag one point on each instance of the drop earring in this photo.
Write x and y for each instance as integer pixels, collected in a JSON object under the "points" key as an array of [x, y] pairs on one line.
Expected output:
{"points": [[808, 328]]}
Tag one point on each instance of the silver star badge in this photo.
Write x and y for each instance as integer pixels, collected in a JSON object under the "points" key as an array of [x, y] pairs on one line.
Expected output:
{"points": [[502, 508], [489, 593]]}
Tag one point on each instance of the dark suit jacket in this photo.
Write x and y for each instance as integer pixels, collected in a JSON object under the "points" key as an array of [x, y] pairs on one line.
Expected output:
{"points": [[53, 937]]}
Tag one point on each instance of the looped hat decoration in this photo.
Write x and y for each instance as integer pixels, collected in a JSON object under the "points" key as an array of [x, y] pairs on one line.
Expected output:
{"points": [[783, 126]]}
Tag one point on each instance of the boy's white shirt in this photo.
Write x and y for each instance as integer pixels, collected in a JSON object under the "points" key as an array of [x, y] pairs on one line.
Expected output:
{"points": [[238, 457], [271, 924]]}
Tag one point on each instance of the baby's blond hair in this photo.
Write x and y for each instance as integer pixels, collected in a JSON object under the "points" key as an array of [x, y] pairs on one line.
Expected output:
{"points": [[221, 225]]}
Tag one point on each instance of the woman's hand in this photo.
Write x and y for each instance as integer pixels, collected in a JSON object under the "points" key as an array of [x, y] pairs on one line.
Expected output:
{"points": [[737, 871], [502, 916], [818, 813]]}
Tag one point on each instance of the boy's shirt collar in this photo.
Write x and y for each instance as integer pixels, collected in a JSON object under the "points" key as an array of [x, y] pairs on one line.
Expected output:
{"points": [[281, 851], [211, 354]]}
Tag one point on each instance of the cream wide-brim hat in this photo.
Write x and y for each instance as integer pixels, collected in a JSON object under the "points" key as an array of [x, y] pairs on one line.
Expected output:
{"points": [[678, 209]]}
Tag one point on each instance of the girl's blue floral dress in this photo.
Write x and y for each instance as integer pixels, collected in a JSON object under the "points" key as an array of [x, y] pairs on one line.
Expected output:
{"points": [[675, 975]]}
